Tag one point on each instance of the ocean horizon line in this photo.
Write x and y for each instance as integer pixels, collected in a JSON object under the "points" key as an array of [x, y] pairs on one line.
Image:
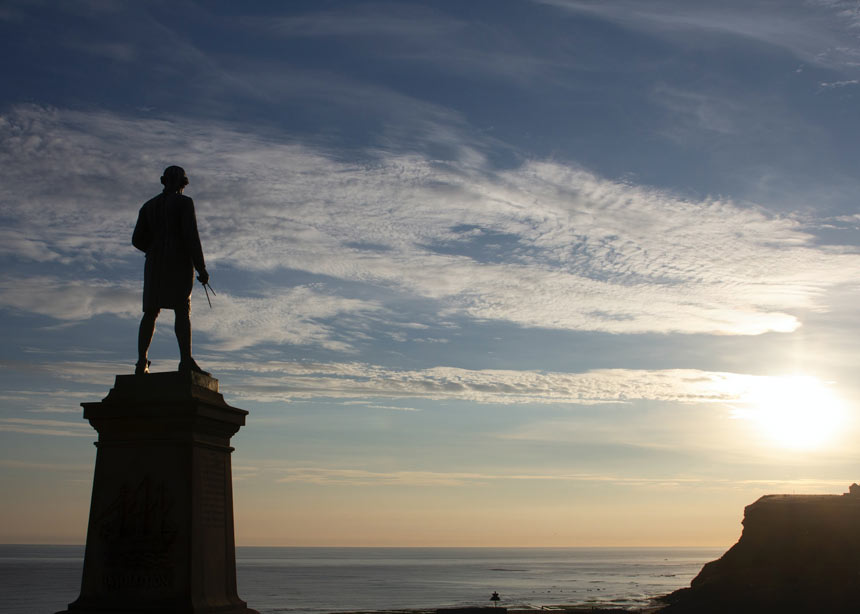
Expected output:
{"points": [[419, 547]]}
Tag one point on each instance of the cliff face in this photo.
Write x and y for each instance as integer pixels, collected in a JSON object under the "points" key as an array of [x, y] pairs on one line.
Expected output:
{"points": [[797, 553]]}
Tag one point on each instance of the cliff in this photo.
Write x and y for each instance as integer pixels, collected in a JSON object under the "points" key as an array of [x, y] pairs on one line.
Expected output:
{"points": [[797, 553]]}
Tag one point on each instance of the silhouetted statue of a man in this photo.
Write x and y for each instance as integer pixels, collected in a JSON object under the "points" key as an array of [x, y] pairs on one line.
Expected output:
{"points": [[167, 231]]}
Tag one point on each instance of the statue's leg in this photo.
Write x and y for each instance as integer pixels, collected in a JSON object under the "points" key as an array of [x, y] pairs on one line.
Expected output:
{"points": [[182, 326], [144, 338]]}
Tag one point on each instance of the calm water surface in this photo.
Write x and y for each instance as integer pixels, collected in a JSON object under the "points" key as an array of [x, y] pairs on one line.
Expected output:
{"points": [[36, 579]]}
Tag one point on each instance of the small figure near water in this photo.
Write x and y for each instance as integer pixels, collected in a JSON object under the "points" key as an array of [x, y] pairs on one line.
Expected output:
{"points": [[166, 231]]}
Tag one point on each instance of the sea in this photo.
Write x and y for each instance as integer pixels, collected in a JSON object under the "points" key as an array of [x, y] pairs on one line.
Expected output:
{"points": [[44, 579]]}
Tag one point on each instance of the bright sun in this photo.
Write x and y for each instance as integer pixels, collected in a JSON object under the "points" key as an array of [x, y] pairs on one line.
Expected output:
{"points": [[797, 411]]}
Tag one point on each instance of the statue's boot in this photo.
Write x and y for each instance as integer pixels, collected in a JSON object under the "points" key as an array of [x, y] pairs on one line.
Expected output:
{"points": [[182, 326], [142, 366], [190, 365]]}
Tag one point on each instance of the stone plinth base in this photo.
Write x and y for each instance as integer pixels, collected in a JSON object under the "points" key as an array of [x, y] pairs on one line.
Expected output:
{"points": [[160, 535]]}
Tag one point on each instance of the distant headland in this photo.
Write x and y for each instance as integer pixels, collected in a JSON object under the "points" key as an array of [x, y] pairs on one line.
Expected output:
{"points": [[796, 554]]}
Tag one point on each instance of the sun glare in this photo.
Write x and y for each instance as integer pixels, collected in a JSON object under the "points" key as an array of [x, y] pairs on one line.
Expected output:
{"points": [[798, 412]]}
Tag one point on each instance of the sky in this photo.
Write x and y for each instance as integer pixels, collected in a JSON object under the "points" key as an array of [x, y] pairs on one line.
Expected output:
{"points": [[488, 273]]}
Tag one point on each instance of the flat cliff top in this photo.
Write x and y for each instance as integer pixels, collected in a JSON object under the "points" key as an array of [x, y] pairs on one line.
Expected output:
{"points": [[808, 499]]}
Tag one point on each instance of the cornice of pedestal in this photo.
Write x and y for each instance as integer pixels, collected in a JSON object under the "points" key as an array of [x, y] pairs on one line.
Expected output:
{"points": [[162, 403]]}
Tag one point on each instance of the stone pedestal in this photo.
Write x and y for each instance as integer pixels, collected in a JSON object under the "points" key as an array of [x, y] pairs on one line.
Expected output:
{"points": [[160, 534]]}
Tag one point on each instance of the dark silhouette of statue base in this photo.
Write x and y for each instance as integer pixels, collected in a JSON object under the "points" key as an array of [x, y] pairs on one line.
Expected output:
{"points": [[160, 535]]}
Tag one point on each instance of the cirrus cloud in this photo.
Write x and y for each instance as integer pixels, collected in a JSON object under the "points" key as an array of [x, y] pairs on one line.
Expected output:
{"points": [[544, 244]]}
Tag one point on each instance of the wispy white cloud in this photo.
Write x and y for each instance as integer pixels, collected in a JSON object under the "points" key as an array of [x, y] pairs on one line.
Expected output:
{"points": [[362, 477], [578, 251], [284, 381], [394, 20], [59, 410], [696, 112], [41, 400], [12, 244], [97, 373], [846, 10], [19, 464], [839, 84], [363, 384], [289, 317], [69, 299], [330, 476], [396, 32], [371, 405], [55, 428], [820, 32]]}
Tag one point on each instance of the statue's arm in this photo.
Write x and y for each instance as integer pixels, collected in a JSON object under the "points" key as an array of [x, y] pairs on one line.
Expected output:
{"points": [[142, 237], [192, 237]]}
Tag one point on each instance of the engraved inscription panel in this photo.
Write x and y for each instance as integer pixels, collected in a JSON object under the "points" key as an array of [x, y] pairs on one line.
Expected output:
{"points": [[213, 488], [138, 535]]}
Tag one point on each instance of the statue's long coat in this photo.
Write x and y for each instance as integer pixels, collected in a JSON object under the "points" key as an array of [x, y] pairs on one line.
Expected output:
{"points": [[167, 231]]}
